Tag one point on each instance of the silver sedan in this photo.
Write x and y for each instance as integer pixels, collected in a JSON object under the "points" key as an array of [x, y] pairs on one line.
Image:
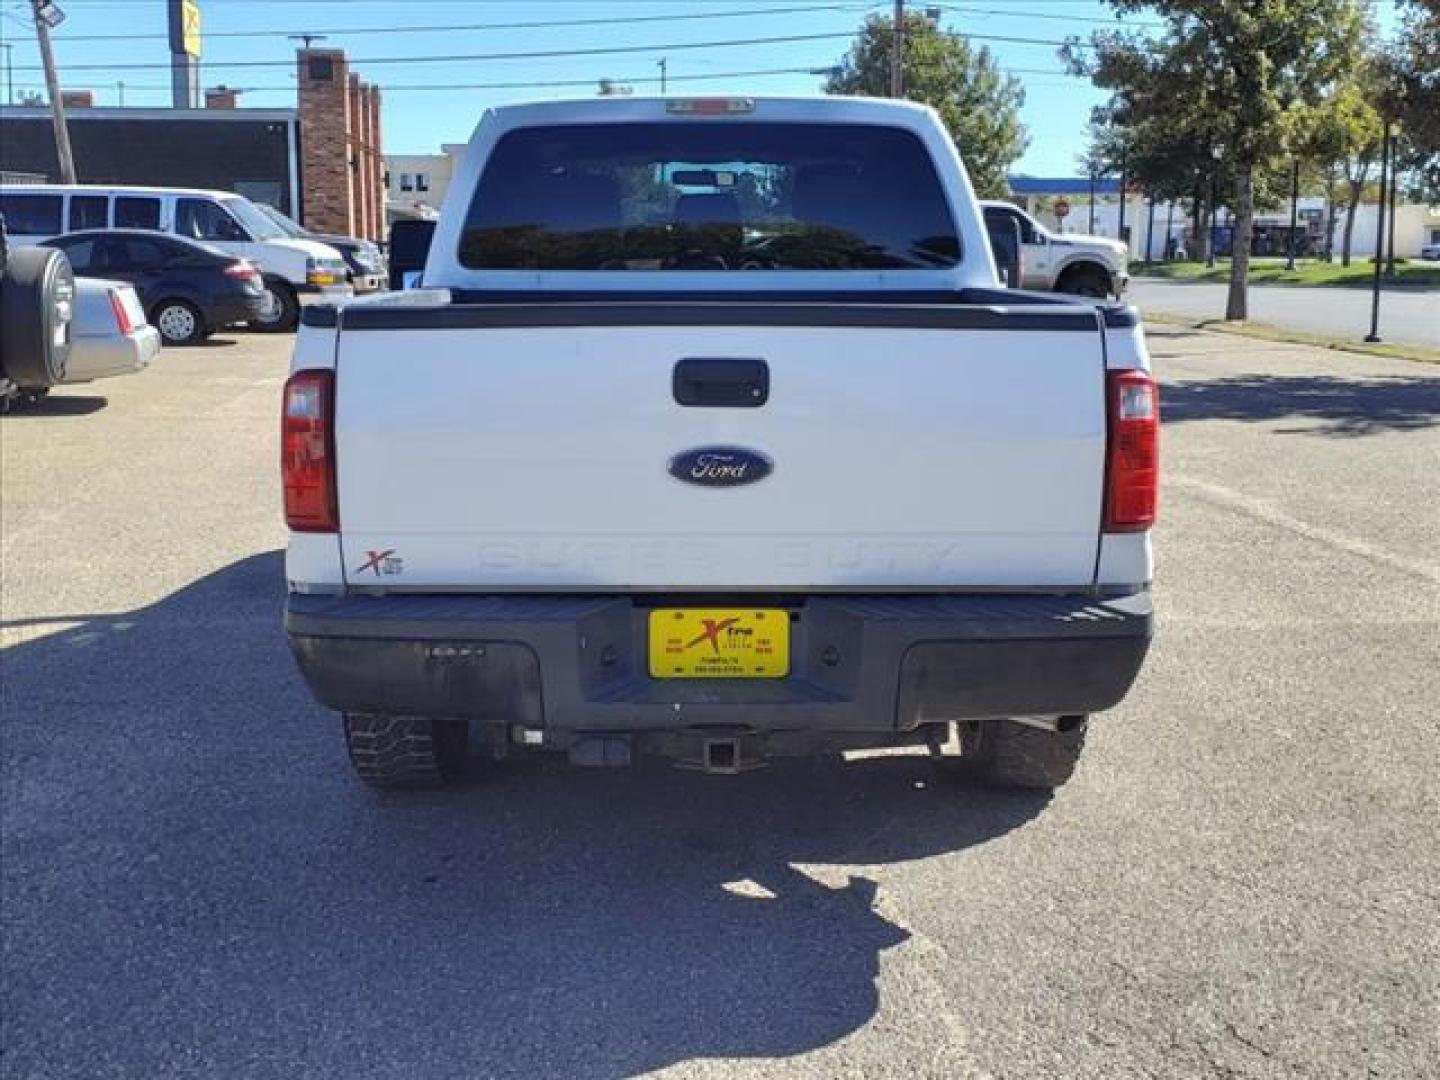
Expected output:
{"points": [[110, 334]]}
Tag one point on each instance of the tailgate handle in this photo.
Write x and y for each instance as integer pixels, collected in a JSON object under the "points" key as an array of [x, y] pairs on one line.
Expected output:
{"points": [[722, 382]]}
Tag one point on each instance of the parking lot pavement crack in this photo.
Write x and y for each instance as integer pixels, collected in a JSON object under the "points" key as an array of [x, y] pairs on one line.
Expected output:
{"points": [[1260, 510]]}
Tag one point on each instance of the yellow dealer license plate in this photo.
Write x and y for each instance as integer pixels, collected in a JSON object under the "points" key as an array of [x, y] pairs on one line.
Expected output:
{"points": [[719, 643]]}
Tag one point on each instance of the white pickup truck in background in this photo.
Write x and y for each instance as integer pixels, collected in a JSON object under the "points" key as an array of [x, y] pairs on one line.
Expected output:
{"points": [[1073, 263], [710, 434]]}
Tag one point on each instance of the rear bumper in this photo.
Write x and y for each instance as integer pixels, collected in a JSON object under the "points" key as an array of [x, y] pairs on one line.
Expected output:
{"points": [[324, 294], [237, 308], [858, 663], [102, 356]]}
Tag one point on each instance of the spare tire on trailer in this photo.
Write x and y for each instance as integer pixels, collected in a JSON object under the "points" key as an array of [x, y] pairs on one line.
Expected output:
{"points": [[37, 303]]}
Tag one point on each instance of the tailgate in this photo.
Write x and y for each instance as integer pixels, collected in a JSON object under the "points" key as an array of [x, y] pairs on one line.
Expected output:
{"points": [[527, 449]]}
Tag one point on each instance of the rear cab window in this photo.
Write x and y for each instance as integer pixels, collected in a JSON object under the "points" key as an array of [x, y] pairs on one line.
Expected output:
{"points": [[32, 215], [685, 196]]}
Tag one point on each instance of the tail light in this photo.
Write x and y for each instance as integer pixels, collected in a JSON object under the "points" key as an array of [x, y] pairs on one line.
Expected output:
{"points": [[1132, 468], [307, 452], [122, 313], [241, 268]]}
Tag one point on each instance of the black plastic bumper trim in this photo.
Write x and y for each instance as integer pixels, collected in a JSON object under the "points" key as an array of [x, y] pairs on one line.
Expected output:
{"points": [[872, 663]]}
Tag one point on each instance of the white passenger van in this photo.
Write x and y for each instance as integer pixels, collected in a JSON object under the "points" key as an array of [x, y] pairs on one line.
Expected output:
{"points": [[295, 270]]}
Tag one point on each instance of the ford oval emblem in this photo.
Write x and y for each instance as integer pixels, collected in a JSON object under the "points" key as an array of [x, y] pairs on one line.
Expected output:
{"points": [[720, 466]]}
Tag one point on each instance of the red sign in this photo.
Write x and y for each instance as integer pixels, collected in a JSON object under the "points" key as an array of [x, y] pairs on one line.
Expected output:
{"points": [[1062, 208]]}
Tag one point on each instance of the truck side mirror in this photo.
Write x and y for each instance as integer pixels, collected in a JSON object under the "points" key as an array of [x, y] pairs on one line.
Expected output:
{"points": [[409, 248], [1004, 233]]}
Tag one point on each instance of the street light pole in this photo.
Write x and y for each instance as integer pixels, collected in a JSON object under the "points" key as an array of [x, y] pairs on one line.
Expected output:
{"points": [[663, 64], [897, 52], [1374, 334], [1124, 162], [1092, 202], [1294, 211], [46, 16], [1149, 228], [1394, 184]]}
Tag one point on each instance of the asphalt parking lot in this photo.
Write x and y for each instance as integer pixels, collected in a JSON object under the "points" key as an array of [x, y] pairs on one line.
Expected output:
{"points": [[1243, 880]]}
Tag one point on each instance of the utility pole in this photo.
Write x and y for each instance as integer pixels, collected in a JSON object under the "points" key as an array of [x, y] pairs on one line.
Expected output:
{"points": [[121, 86], [897, 52], [662, 62], [1374, 334], [9, 72], [46, 16]]}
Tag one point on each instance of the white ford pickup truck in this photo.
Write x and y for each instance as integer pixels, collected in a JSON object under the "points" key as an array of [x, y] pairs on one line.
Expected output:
{"points": [[709, 434]]}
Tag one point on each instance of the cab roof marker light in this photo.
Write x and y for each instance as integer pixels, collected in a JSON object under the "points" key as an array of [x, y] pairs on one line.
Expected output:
{"points": [[709, 106]]}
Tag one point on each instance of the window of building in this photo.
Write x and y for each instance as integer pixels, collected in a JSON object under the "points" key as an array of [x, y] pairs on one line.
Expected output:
{"points": [[201, 219], [407, 182], [422, 181], [31, 215], [89, 211], [135, 212]]}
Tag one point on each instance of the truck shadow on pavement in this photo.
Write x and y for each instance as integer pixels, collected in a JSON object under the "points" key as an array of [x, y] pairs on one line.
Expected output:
{"points": [[1338, 407], [189, 866]]}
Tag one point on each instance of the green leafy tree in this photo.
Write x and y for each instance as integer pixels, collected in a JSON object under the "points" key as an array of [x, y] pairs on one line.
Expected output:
{"points": [[1237, 70], [978, 102], [1415, 74], [1344, 132]]}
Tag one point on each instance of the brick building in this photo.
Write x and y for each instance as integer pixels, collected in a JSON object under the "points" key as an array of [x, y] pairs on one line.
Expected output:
{"points": [[320, 162], [341, 158]]}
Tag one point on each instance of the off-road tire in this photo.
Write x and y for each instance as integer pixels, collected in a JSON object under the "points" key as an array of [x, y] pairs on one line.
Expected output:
{"points": [[36, 284], [406, 751], [1087, 282], [1004, 753]]}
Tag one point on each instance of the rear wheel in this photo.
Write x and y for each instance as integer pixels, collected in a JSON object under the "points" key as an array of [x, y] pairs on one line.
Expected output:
{"points": [[1008, 753], [179, 322], [406, 751], [281, 312]]}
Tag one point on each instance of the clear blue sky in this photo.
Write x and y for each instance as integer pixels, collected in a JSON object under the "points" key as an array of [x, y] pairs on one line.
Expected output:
{"points": [[424, 105]]}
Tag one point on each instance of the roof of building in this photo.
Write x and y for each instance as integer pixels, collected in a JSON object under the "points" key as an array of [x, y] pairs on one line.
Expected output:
{"points": [[111, 112], [1062, 185]]}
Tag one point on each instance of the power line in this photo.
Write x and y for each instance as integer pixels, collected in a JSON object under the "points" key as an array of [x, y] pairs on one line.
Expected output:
{"points": [[610, 50], [561, 84], [1117, 23], [538, 24]]}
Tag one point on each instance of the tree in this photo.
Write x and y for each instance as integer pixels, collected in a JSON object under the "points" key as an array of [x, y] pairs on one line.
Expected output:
{"points": [[1167, 155], [979, 104], [1415, 71], [1344, 131], [1234, 69]]}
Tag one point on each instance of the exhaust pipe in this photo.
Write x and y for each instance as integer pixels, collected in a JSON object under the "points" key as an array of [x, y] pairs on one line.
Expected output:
{"points": [[1062, 725]]}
